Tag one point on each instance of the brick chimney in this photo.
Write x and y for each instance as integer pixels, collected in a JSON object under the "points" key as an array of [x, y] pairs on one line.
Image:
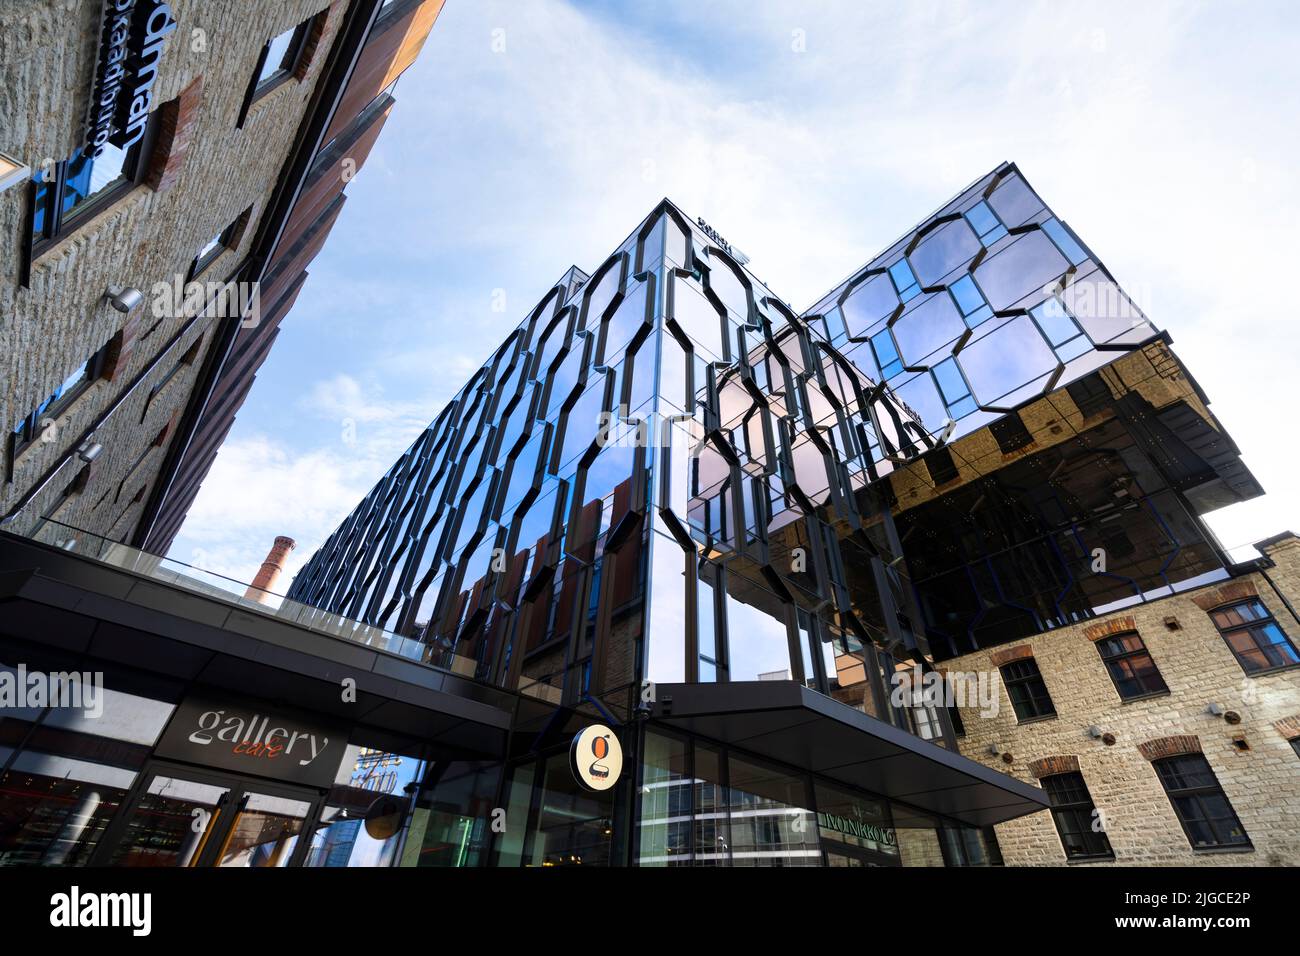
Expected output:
{"points": [[270, 571]]}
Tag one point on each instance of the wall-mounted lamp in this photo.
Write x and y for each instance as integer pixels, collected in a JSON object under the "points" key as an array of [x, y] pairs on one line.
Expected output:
{"points": [[1095, 732], [89, 451], [1215, 710], [124, 298]]}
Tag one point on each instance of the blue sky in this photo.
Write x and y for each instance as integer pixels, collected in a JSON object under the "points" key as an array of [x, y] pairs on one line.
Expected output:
{"points": [[812, 136]]}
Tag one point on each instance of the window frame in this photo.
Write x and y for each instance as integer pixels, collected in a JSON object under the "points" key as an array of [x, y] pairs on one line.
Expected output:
{"points": [[1081, 803], [258, 86], [202, 260], [1249, 628], [1022, 680], [1110, 661], [27, 432], [59, 225], [1196, 794]]}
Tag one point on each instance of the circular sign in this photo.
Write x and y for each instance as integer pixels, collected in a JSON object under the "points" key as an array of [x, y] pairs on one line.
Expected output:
{"points": [[384, 817], [596, 758]]}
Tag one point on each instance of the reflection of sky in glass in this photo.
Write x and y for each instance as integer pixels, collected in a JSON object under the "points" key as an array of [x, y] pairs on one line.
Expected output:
{"points": [[1005, 359], [945, 249], [1023, 267]]}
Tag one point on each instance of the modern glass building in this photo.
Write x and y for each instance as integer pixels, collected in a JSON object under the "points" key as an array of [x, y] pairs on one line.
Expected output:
{"points": [[671, 504], [666, 475]]}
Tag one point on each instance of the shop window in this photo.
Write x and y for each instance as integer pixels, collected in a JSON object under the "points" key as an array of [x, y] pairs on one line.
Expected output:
{"points": [[1200, 803], [1130, 666], [1254, 637], [768, 824], [1028, 692], [666, 795], [965, 846], [1076, 817]]}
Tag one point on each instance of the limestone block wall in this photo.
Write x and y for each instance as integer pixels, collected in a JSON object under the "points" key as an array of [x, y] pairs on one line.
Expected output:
{"points": [[1261, 782], [205, 174]]}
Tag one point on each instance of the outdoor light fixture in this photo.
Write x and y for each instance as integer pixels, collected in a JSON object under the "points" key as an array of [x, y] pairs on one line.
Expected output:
{"points": [[1095, 732], [994, 749], [1215, 710], [89, 451], [124, 298]]}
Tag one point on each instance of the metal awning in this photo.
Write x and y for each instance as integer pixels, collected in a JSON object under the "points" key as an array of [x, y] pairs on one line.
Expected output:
{"points": [[75, 605], [785, 721]]}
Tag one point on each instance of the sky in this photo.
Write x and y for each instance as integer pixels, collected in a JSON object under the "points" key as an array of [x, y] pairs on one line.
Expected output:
{"points": [[532, 136]]}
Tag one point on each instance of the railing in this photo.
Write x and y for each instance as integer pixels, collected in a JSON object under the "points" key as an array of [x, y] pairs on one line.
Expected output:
{"points": [[241, 594]]}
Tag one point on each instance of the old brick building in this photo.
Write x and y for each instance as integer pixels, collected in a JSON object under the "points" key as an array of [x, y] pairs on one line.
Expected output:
{"points": [[190, 159], [1176, 690]]}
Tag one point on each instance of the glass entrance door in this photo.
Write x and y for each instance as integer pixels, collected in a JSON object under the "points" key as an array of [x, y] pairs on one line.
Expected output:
{"points": [[184, 818], [170, 823], [265, 831]]}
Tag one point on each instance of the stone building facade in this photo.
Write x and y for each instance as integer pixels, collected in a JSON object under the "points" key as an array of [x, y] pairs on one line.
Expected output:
{"points": [[97, 403], [1246, 725]]}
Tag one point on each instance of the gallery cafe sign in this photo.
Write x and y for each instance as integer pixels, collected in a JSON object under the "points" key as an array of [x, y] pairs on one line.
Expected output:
{"points": [[596, 758], [254, 739], [130, 48]]}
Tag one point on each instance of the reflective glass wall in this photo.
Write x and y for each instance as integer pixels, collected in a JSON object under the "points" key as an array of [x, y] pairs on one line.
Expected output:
{"points": [[663, 474], [667, 474]]}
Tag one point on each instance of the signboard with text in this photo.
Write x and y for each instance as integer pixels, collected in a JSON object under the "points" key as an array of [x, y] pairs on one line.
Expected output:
{"points": [[230, 734]]}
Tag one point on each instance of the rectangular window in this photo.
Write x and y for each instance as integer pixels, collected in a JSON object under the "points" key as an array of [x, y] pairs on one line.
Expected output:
{"points": [[1198, 800], [1076, 817], [1028, 693], [30, 428], [1131, 667], [886, 354], [228, 238], [279, 57], [65, 194], [1254, 636], [279, 62], [1295, 745]]}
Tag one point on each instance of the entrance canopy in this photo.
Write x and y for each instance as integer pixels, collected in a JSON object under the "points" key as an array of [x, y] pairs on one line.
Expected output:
{"points": [[785, 721]]}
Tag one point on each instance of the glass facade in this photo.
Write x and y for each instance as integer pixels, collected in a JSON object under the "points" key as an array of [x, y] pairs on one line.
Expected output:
{"points": [[667, 476]]}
